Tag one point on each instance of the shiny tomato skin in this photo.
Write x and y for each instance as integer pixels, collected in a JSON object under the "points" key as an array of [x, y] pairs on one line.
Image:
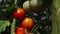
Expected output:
{"points": [[27, 23], [20, 30], [19, 14]]}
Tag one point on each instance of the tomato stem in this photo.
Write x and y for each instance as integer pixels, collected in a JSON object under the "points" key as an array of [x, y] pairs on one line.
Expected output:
{"points": [[13, 27], [34, 29]]}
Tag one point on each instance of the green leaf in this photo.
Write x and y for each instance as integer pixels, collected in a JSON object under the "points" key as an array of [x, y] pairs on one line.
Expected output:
{"points": [[3, 25]]}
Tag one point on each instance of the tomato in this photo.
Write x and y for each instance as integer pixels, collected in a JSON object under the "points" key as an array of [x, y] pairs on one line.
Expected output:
{"points": [[19, 14], [28, 23], [26, 5], [21, 30]]}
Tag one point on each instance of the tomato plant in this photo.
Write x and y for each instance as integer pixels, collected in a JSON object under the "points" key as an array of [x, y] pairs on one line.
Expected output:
{"points": [[27, 23], [19, 14]]}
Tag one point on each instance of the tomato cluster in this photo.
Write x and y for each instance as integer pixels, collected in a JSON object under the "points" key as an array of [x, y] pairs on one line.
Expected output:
{"points": [[27, 23]]}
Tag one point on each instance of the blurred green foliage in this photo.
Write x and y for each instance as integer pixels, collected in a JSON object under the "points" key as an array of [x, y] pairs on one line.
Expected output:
{"points": [[3, 25]]}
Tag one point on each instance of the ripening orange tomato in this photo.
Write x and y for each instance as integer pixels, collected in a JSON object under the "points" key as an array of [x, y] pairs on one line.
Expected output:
{"points": [[28, 23]]}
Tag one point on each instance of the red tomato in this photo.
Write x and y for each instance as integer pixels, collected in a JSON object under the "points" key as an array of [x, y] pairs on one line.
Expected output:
{"points": [[27, 23], [19, 14], [21, 30]]}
